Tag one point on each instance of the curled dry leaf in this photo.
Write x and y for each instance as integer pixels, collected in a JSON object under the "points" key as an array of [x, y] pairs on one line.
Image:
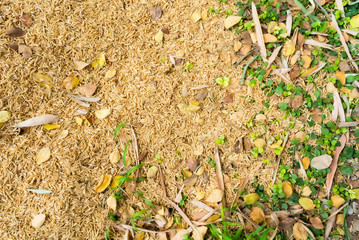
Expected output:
{"points": [[189, 182], [288, 48], [307, 203], [79, 65], [231, 21], [287, 189], [15, 32], [103, 113], [257, 215], [247, 144], [71, 82], [238, 146], [111, 203], [38, 220], [316, 222], [337, 200], [228, 99], [104, 183], [115, 156], [200, 171], [43, 155], [259, 143], [306, 162], [110, 73], [87, 90], [251, 198], [192, 163], [155, 12], [340, 75], [25, 51], [196, 16], [295, 72], [4, 116], [63, 134], [152, 172], [26, 19], [321, 162], [299, 231], [306, 191], [307, 61], [215, 196]]}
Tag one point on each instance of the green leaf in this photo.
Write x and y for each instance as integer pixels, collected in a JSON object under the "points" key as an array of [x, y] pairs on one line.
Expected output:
{"points": [[118, 128], [124, 153], [223, 81], [346, 169], [107, 234], [283, 106]]}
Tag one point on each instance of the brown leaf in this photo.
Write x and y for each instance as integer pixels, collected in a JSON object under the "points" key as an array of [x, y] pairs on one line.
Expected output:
{"points": [[300, 40], [142, 156], [228, 99], [192, 163], [25, 51], [295, 72], [299, 231], [201, 95], [316, 222], [79, 65], [247, 144], [155, 12], [165, 30], [14, 46], [317, 118], [297, 101], [287, 189], [26, 19], [344, 66], [40, 120], [340, 75], [321, 162], [238, 146], [215, 196], [286, 223], [189, 182], [15, 32], [257, 215], [87, 90]]}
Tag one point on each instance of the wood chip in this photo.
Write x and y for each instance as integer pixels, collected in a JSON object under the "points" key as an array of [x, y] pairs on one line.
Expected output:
{"points": [[15, 32]]}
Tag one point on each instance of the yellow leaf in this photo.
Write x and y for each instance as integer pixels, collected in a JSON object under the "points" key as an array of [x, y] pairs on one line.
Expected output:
{"points": [[287, 189], [100, 62], [340, 75], [51, 126], [79, 121], [306, 203], [259, 143], [231, 21], [309, 71], [187, 173], [43, 155], [86, 122], [159, 36], [115, 181], [271, 26], [71, 82], [188, 109], [200, 195], [115, 156], [306, 163], [277, 144], [345, 90], [354, 21], [257, 215], [269, 38], [110, 73], [340, 219], [307, 61], [5, 116], [213, 218], [356, 191], [316, 222], [103, 113], [79, 65], [288, 48], [251, 198], [111, 203], [196, 16], [299, 232], [43, 80], [337, 200], [104, 183]]}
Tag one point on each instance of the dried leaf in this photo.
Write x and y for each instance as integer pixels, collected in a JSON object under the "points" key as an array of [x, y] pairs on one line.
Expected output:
{"points": [[100, 62], [237, 46], [188, 109], [4, 116], [238, 146], [318, 44], [313, 70], [196, 16], [321, 162], [354, 21], [159, 36], [155, 12], [189, 182], [317, 118], [180, 234], [306, 191], [51, 126], [287, 189], [299, 231], [215, 196], [286, 223], [273, 56], [15, 32], [201, 95], [339, 219], [152, 172], [71, 82], [337, 200], [340, 75], [259, 33], [43, 155], [192, 163], [316, 222], [329, 225], [259, 143], [228, 99], [230, 21], [25, 51], [297, 101], [288, 48], [115, 156], [40, 120], [269, 38], [200, 195], [199, 233], [307, 203], [276, 144], [38, 220], [40, 191], [87, 90], [111, 203], [110, 73], [79, 65], [104, 183], [79, 121], [63, 134], [26, 19], [247, 144], [307, 61], [14, 46], [331, 88], [338, 107], [165, 30], [251, 198], [306, 162], [257, 215], [103, 113]]}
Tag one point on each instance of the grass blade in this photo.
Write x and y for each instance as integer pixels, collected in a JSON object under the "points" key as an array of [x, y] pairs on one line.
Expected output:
{"points": [[118, 128]]}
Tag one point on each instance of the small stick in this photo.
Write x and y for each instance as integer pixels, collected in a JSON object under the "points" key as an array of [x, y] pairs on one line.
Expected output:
{"points": [[220, 180], [245, 68], [245, 56]]}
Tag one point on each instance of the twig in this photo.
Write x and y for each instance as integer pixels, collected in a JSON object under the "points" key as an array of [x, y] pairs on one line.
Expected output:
{"points": [[245, 56], [336, 212], [305, 11], [162, 183], [260, 39], [245, 68], [278, 157], [220, 179], [323, 10]]}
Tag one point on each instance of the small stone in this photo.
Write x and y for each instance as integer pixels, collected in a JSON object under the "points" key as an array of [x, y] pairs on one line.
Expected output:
{"points": [[38, 220]]}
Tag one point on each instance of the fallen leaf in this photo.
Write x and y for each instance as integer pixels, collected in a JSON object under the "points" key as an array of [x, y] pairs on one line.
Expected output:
{"points": [[345, 90], [288, 48], [104, 183], [337, 200], [306, 162], [110, 73], [301, 135], [192, 163], [286, 223], [295, 72], [307, 61], [251, 198], [344, 66], [14, 46], [316, 222], [40, 120], [152, 172], [196, 16], [5, 116], [259, 143], [38, 220], [63, 134], [188, 109], [25, 51], [71, 82], [200, 171], [43, 155], [317, 118], [306, 191], [200, 195], [79, 121], [231, 21], [297, 101], [187, 173], [247, 144], [354, 93], [15, 32], [213, 218], [237, 46], [79, 65], [111, 203], [115, 181], [228, 99], [306, 203], [269, 38], [299, 231], [287, 189], [199, 233], [259, 33], [100, 62], [215, 196], [155, 12], [159, 36], [354, 21], [103, 113], [51, 126], [189, 182], [257, 215], [26, 19], [277, 144], [180, 234], [165, 31], [246, 48], [201, 95], [87, 90], [238, 146], [115, 156], [321, 162], [340, 75], [339, 219]]}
